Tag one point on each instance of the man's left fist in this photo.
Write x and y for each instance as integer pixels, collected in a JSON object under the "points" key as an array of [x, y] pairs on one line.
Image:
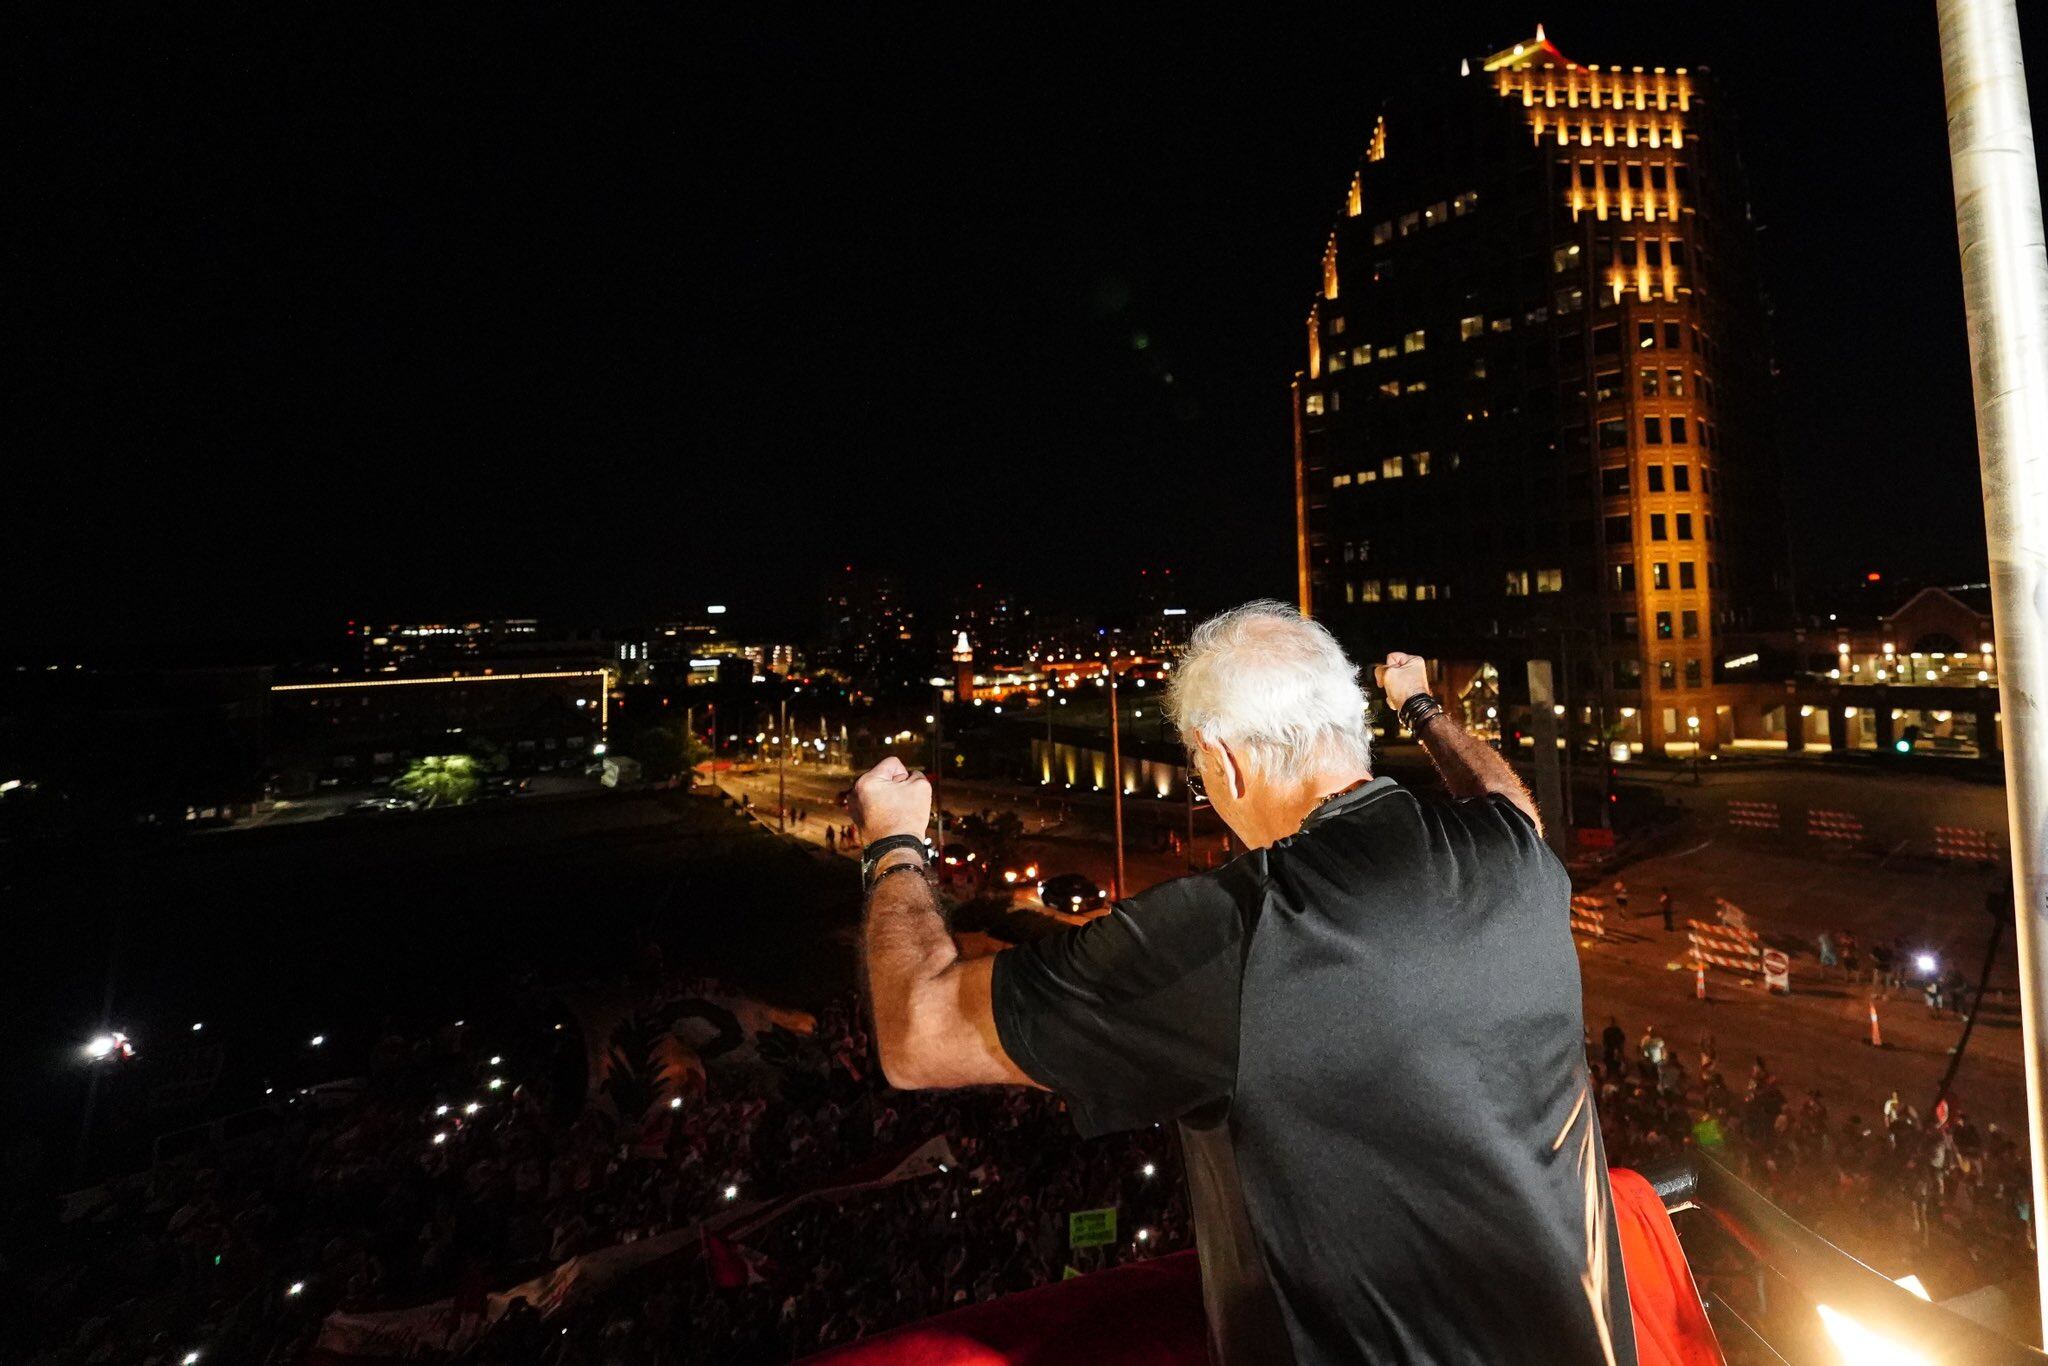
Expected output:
{"points": [[890, 799]]}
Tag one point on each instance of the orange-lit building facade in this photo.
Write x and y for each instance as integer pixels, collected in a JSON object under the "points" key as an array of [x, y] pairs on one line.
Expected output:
{"points": [[1534, 420]]}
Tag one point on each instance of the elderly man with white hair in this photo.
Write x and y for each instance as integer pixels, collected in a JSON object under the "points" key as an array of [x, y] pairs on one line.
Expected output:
{"points": [[1368, 1027]]}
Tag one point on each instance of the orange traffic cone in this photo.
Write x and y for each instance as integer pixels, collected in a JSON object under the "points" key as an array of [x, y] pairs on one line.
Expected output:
{"points": [[1876, 1036], [1699, 980]]}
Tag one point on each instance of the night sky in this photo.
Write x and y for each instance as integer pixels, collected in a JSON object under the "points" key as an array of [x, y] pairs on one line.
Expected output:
{"points": [[360, 315]]}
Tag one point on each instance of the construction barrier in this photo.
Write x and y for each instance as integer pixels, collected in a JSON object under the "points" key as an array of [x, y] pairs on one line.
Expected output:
{"points": [[1589, 916], [1725, 946], [1966, 845], [1754, 816], [1834, 826], [1729, 914]]}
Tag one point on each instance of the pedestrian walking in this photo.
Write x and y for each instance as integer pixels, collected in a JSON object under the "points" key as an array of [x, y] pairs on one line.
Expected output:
{"points": [[1621, 896], [1664, 905], [1613, 1045]]}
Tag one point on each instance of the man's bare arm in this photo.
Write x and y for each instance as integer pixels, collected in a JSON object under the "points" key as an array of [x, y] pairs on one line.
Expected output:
{"points": [[1473, 768], [1470, 767], [934, 1013]]}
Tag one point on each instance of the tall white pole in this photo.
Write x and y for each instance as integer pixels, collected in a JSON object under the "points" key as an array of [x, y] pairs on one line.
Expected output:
{"points": [[2005, 297]]}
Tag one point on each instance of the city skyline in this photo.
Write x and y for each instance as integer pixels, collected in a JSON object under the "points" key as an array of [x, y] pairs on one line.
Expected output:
{"points": [[562, 384]]}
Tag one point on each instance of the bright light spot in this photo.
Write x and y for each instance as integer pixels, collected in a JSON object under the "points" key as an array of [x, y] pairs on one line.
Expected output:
{"points": [[929, 718], [497, 1058], [190, 1359], [716, 609], [558, 1029], [496, 1083], [295, 1288], [1926, 962], [101, 1047], [317, 1040], [440, 1110], [1858, 1344], [440, 1138], [675, 1102], [1912, 1283], [1149, 1170], [1144, 1235], [1009, 874], [732, 1192], [1491, 712], [472, 1107], [198, 1025]]}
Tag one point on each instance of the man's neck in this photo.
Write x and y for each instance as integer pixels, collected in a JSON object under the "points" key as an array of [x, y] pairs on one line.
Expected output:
{"points": [[1282, 814]]}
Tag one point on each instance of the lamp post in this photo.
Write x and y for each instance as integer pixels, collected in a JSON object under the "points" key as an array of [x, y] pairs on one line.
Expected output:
{"points": [[1692, 725], [1116, 782], [781, 770]]}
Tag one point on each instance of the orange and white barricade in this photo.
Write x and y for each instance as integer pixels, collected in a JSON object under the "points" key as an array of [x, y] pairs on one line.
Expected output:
{"points": [[1589, 916], [1965, 845], [1754, 816], [1725, 946], [1834, 827]]}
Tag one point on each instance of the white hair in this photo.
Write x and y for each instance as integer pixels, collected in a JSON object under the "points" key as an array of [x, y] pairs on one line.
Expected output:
{"points": [[1274, 686]]}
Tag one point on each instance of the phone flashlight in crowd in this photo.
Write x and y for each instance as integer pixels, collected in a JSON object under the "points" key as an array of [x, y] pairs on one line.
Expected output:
{"points": [[496, 1083], [732, 1192], [471, 1108], [440, 1110], [675, 1102], [496, 1059], [1149, 1170], [1144, 1235], [1926, 962], [317, 1040], [296, 1288]]}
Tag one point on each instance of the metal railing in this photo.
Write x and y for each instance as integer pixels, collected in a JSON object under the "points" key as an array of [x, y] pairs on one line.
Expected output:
{"points": [[1822, 1275]]}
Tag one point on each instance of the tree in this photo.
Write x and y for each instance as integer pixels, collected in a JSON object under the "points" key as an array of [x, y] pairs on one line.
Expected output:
{"points": [[440, 780], [665, 751]]}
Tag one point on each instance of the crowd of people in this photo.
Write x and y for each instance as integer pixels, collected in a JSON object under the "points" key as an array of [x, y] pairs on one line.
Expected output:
{"points": [[1881, 1180], [431, 1183]]}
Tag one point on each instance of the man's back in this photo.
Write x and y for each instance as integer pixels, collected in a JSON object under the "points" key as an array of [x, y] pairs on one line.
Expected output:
{"points": [[1386, 1007], [1412, 1117]]}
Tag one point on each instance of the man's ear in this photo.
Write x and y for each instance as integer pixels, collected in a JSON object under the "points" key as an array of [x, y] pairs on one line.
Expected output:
{"points": [[1233, 770]]}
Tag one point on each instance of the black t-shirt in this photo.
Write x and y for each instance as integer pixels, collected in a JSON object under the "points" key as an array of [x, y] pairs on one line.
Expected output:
{"points": [[1382, 1013]]}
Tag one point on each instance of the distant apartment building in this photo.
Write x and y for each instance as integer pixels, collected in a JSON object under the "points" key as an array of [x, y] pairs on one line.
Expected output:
{"points": [[1534, 420]]}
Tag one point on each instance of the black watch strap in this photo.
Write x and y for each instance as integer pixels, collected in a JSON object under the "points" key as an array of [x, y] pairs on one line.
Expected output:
{"points": [[874, 853]]}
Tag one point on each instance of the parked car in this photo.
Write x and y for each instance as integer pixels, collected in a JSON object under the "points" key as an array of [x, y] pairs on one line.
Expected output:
{"points": [[381, 806], [1073, 893]]}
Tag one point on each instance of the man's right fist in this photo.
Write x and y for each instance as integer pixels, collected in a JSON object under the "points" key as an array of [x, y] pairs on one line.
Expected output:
{"points": [[1401, 677], [890, 799]]}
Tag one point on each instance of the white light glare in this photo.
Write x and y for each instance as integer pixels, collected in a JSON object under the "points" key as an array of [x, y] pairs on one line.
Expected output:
{"points": [[317, 1040], [471, 1108], [732, 1192], [1858, 1344], [1924, 961], [295, 1288], [1149, 1169]]}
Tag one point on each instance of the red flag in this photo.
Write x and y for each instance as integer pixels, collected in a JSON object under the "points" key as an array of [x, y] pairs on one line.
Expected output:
{"points": [[732, 1265]]}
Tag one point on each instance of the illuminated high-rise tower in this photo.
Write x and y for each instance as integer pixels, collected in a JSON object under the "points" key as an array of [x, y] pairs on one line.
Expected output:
{"points": [[1535, 418]]}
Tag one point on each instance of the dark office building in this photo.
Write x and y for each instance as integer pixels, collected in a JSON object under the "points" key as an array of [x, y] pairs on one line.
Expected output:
{"points": [[1535, 417]]}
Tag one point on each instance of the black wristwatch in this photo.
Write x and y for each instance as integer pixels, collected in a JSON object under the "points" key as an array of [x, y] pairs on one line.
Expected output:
{"points": [[888, 844]]}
